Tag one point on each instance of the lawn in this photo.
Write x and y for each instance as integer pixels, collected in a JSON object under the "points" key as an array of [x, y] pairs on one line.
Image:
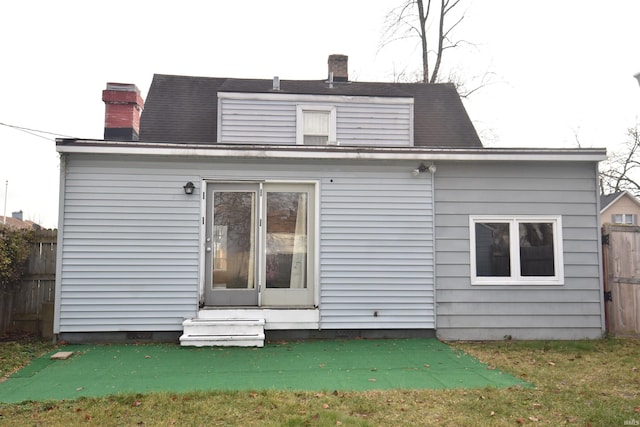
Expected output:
{"points": [[593, 383]]}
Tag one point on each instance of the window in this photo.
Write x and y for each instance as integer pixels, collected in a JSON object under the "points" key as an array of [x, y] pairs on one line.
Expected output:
{"points": [[516, 250], [315, 124], [627, 219]]}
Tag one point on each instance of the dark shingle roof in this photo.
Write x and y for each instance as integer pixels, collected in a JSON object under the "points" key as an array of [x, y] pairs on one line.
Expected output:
{"points": [[607, 199], [185, 109]]}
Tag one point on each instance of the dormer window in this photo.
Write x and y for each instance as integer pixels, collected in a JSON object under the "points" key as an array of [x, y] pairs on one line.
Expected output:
{"points": [[315, 125]]}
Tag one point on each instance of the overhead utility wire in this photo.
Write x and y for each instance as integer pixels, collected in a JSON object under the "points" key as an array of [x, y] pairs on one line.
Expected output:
{"points": [[31, 132]]}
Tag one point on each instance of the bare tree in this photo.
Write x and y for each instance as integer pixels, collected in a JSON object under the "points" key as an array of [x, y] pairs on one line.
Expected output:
{"points": [[432, 22], [621, 171]]}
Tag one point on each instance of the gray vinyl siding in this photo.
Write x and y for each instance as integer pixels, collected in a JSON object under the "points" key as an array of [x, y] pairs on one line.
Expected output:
{"points": [[131, 241], [274, 122], [377, 252], [374, 124], [259, 122], [130, 248], [568, 311]]}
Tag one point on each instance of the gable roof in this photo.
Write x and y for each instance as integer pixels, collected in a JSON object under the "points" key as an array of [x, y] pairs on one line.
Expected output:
{"points": [[607, 200], [184, 109], [17, 223]]}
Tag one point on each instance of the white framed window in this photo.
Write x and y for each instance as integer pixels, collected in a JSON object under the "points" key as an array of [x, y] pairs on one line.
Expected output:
{"points": [[516, 250], [315, 124], [627, 219]]}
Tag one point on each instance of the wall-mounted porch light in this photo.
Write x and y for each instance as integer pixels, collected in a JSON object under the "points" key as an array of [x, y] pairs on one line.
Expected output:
{"points": [[189, 187], [423, 168]]}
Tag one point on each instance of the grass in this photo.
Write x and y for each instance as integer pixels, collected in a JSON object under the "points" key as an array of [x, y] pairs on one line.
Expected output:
{"points": [[16, 354], [577, 383]]}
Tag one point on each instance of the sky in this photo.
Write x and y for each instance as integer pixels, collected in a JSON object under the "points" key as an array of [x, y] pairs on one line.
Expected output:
{"points": [[558, 73]]}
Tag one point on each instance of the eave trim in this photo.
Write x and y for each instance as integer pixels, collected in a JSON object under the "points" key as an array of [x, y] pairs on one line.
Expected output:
{"points": [[328, 152]]}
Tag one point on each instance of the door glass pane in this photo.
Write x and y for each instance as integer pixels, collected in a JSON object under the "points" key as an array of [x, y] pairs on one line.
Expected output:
{"points": [[492, 250], [536, 249], [286, 239], [233, 240]]}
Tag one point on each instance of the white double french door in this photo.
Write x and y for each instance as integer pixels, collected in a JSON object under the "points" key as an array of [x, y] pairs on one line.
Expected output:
{"points": [[259, 244]]}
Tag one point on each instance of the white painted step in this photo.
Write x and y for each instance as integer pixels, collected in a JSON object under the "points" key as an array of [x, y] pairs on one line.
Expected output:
{"points": [[223, 332], [222, 341], [223, 326]]}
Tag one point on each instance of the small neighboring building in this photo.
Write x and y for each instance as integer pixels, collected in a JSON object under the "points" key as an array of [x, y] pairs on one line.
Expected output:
{"points": [[320, 208], [621, 208], [16, 220]]}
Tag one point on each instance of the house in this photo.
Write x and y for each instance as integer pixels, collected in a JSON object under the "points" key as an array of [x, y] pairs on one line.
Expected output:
{"points": [[330, 208], [16, 220], [621, 207]]}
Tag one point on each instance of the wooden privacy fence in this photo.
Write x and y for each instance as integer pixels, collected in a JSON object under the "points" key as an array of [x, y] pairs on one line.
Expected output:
{"points": [[29, 307], [621, 252]]}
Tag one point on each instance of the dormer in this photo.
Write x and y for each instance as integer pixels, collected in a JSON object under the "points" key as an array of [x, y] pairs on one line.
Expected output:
{"points": [[314, 119]]}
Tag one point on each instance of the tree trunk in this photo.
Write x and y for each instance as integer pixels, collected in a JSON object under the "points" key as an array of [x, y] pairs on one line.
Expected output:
{"points": [[423, 38]]}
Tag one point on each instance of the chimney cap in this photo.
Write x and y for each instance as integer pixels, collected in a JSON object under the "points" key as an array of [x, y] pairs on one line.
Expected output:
{"points": [[123, 87]]}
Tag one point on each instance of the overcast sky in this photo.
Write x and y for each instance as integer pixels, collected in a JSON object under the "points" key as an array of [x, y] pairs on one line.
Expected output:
{"points": [[560, 71]]}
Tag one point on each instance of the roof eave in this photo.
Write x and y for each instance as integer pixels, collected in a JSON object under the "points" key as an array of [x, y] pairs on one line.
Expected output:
{"points": [[328, 152]]}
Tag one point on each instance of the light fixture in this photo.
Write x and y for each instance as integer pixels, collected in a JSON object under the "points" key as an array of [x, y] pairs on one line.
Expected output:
{"points": [[423, 168], [189, 187], [420, 169]]}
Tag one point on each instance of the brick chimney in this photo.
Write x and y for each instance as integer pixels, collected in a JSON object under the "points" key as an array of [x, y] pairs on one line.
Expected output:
{"points": [[123, 105], [339, 66]]}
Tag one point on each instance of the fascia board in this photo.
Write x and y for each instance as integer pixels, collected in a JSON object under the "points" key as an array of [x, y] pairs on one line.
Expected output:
{"points": [[332, 152]]}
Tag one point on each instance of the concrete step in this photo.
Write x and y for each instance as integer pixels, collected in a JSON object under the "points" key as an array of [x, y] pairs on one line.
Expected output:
{"points": [[223, 332], [222, 341], [223, 326]]}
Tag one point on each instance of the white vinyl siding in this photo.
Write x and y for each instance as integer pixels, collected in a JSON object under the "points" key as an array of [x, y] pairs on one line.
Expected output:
{"points": [[358, 122], [566, 190]]}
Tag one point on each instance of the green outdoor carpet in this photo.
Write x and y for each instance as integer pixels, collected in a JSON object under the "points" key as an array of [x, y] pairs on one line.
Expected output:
{"points": [[99, 370]]}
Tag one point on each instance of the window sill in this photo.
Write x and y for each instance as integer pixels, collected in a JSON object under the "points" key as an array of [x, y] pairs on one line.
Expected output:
{"points": [[517, 283]]}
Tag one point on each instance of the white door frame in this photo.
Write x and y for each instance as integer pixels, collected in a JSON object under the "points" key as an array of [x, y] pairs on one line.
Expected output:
{"points": [[314, 232]]}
